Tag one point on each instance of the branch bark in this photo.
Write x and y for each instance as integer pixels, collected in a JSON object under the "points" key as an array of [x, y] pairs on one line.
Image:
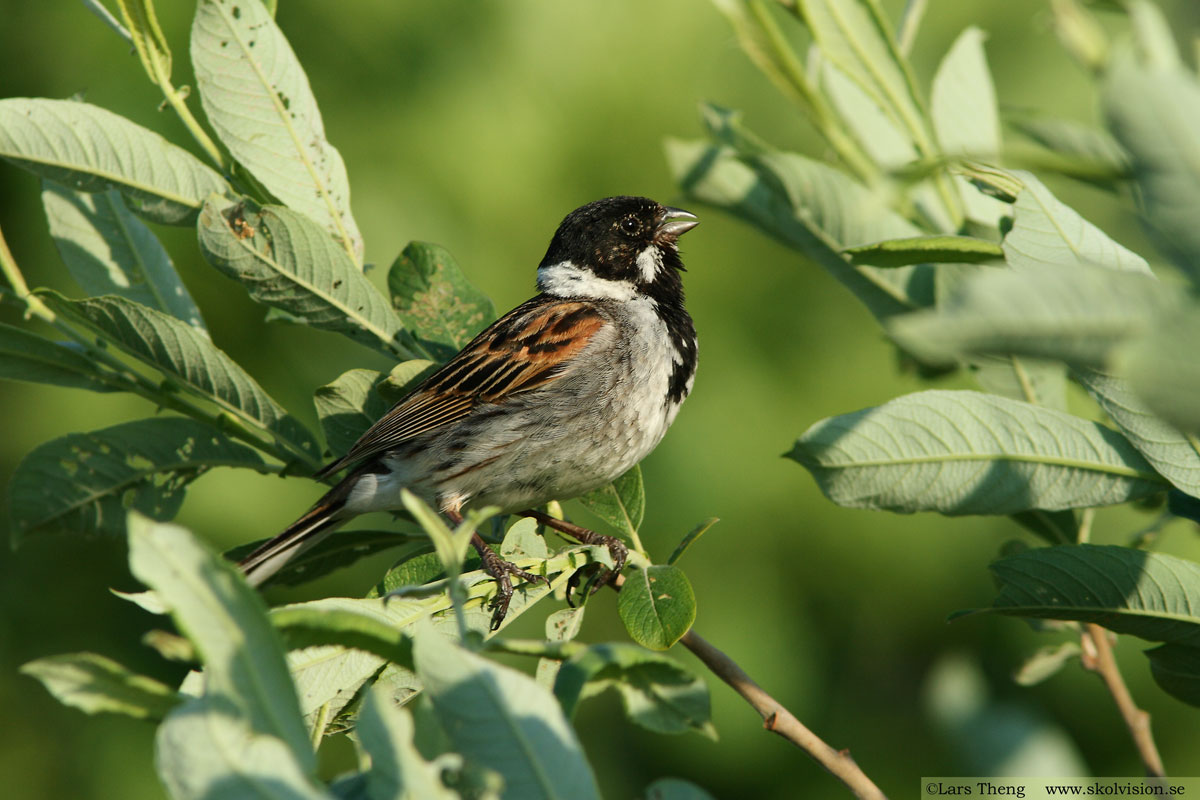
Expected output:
{"points": [[779, 720], [776, 718], [1097, 657]]}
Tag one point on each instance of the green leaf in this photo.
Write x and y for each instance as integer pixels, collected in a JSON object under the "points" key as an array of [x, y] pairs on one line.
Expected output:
{"points": [[502, 719], [925, 250], [523, 540], [148, 38], [971, 453], [854, 36], [621, 504], [329, 676], [348, 406], [1154, 114], [385, 732], [306, 626], [658, 693], [1164, 370], [207, 749], [90, 149], [1175, 455], [28, 357], [411, 571], [1046, 233], [85, 482], [188, 357], [110, 251], [561, 626], [286, 261], [878, 135], [1033, 380], [435, 301], [94, 684], [1176, 669], [1056, 527], [328, 555], [675, 789], [1153, 36], [1087, 152], [1073, 314], [657, 606], [966, 119], [258, 100], [1149, 595], [690, 539], [716, 175], [246, 681]]}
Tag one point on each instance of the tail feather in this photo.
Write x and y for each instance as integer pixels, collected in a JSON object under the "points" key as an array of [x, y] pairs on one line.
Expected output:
{"points": [[298, 537]]}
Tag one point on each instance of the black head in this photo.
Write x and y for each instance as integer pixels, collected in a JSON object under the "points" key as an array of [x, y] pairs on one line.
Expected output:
{"points": [[625, 241]]}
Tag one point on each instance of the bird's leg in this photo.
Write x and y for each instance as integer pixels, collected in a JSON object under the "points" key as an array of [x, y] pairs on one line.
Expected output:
{"points": [[500, 570], [616, 547]]}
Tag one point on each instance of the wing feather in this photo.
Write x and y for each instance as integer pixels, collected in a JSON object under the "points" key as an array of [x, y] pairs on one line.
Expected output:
{"points": [[526, 349]]}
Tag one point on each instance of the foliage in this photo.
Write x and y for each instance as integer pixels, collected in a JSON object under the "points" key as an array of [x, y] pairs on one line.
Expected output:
{"points": [[971, 263], [925, 213], [272, 212]]}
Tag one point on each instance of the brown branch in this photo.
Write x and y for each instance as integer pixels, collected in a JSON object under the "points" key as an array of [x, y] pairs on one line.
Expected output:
{"points": [[1097, 657], [778, 719]]}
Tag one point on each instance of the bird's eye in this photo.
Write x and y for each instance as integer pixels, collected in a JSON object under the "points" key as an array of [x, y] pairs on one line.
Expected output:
{"points": [[630, 226]]}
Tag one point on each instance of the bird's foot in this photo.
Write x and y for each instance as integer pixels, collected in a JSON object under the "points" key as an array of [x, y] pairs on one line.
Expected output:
{"points": [[598, 575], [501, 571]]}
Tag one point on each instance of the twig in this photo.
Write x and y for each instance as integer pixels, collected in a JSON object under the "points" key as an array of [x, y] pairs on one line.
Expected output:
{"points": [[1097, 657], [778, 719]]}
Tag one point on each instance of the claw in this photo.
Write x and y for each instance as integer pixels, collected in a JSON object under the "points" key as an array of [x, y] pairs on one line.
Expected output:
{"points": [[500, 570]]}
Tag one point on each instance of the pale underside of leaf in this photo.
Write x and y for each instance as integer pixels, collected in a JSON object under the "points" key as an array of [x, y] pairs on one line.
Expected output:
{"points": [[971, 453], [90, 149], [259, 101]]}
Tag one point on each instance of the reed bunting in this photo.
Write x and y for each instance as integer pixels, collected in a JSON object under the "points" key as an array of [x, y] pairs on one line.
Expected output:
{"points": [[558, 397]]}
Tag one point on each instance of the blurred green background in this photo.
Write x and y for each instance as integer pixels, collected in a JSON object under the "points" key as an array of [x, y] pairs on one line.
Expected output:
{"points": [[478, 125]]}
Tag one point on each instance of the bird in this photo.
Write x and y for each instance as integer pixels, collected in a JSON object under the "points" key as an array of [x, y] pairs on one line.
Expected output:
{"points": [[559, 396]]}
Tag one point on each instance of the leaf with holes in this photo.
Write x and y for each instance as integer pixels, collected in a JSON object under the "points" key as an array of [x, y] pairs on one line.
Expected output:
{"points": [[657, 606], [85, 482], [286, 261], [258, 100], [435, 301]]}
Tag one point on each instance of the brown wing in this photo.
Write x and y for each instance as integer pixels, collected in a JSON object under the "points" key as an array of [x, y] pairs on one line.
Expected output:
{"points": [[527, 348]]}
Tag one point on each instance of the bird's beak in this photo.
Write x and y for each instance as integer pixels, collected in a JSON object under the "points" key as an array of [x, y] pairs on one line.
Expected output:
{"points": [[674, 223]]}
